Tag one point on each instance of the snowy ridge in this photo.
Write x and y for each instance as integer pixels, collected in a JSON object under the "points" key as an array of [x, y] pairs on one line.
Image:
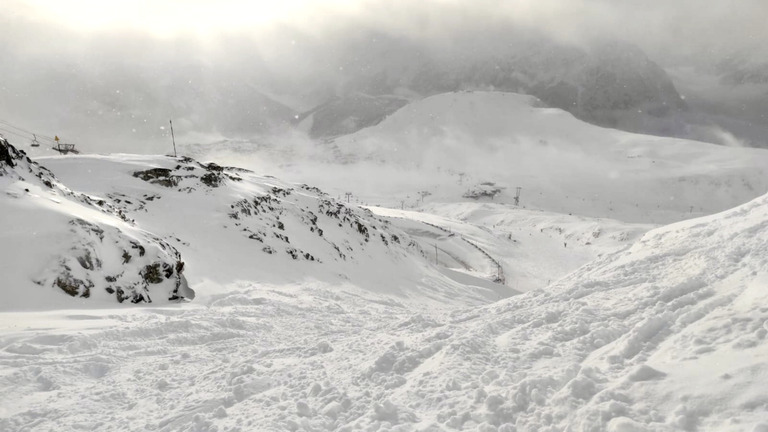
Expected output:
{"points": [[233, 225], [60, 242]]}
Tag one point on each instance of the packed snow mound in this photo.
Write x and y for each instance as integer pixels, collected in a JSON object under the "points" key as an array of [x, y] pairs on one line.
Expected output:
{"points": [[60, 243], [234, 225], [561, 163]]}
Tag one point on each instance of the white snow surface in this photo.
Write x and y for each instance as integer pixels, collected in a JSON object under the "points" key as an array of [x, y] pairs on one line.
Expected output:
{"points": [[667, 335], [617, 326]]}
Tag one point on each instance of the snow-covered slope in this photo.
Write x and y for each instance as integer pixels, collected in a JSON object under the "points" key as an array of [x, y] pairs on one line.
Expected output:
{"points": [[523, 248], [234, 226], [59, 247], [457, 140], [669, 335]]}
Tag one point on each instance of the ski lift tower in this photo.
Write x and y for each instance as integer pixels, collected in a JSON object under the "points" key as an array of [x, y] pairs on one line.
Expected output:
{"points": [[517, 195], [64, 148]]}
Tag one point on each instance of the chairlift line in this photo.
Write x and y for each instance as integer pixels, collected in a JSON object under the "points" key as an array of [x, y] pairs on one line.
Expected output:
{"points": [[23, 133]]}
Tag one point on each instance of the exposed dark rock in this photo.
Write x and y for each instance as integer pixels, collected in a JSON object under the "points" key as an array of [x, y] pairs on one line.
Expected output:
{"points": [[73, 286], [159, 176], [88, 262], [151, 274], [211, 179], [139, 247], [5, 153]]}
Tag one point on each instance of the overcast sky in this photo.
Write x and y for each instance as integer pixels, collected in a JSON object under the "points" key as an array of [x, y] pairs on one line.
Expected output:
{"points": [[662, 27], [48, 45]]}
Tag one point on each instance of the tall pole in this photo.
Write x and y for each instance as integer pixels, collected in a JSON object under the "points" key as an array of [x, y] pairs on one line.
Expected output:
{"points": [[173, 138], [435, 254]]}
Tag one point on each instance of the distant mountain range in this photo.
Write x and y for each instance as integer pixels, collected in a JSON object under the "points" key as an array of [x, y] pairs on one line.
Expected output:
{"points": [[611, 84]]}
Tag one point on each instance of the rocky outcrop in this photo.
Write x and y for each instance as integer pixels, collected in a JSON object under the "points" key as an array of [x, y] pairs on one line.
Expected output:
{"points": [[98, 252], [301, 222]]}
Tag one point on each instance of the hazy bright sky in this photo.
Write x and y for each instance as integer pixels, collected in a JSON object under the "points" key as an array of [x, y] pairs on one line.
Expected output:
{"points": [[172, 17], [65, 61], [661, 25]]}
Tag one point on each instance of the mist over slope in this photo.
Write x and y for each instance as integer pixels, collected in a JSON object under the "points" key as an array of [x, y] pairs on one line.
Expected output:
{"points": [[108, 96], [605, 82], [378, 234], [463, 146]]}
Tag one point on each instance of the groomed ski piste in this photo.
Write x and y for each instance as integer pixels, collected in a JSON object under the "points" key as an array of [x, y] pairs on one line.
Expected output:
{"points": [[482, 315]]}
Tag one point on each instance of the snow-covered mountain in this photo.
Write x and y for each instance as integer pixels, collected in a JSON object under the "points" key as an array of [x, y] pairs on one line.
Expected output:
{"points": [[60, 246], [608, 83], [314, 314], [233, 225], [459, 140], [668, 335]]}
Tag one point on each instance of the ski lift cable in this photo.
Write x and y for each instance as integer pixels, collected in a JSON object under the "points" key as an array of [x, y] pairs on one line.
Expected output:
{"points": [[16, 134], [8, 124], [24, 133], [11, 125], [23, 136]]}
